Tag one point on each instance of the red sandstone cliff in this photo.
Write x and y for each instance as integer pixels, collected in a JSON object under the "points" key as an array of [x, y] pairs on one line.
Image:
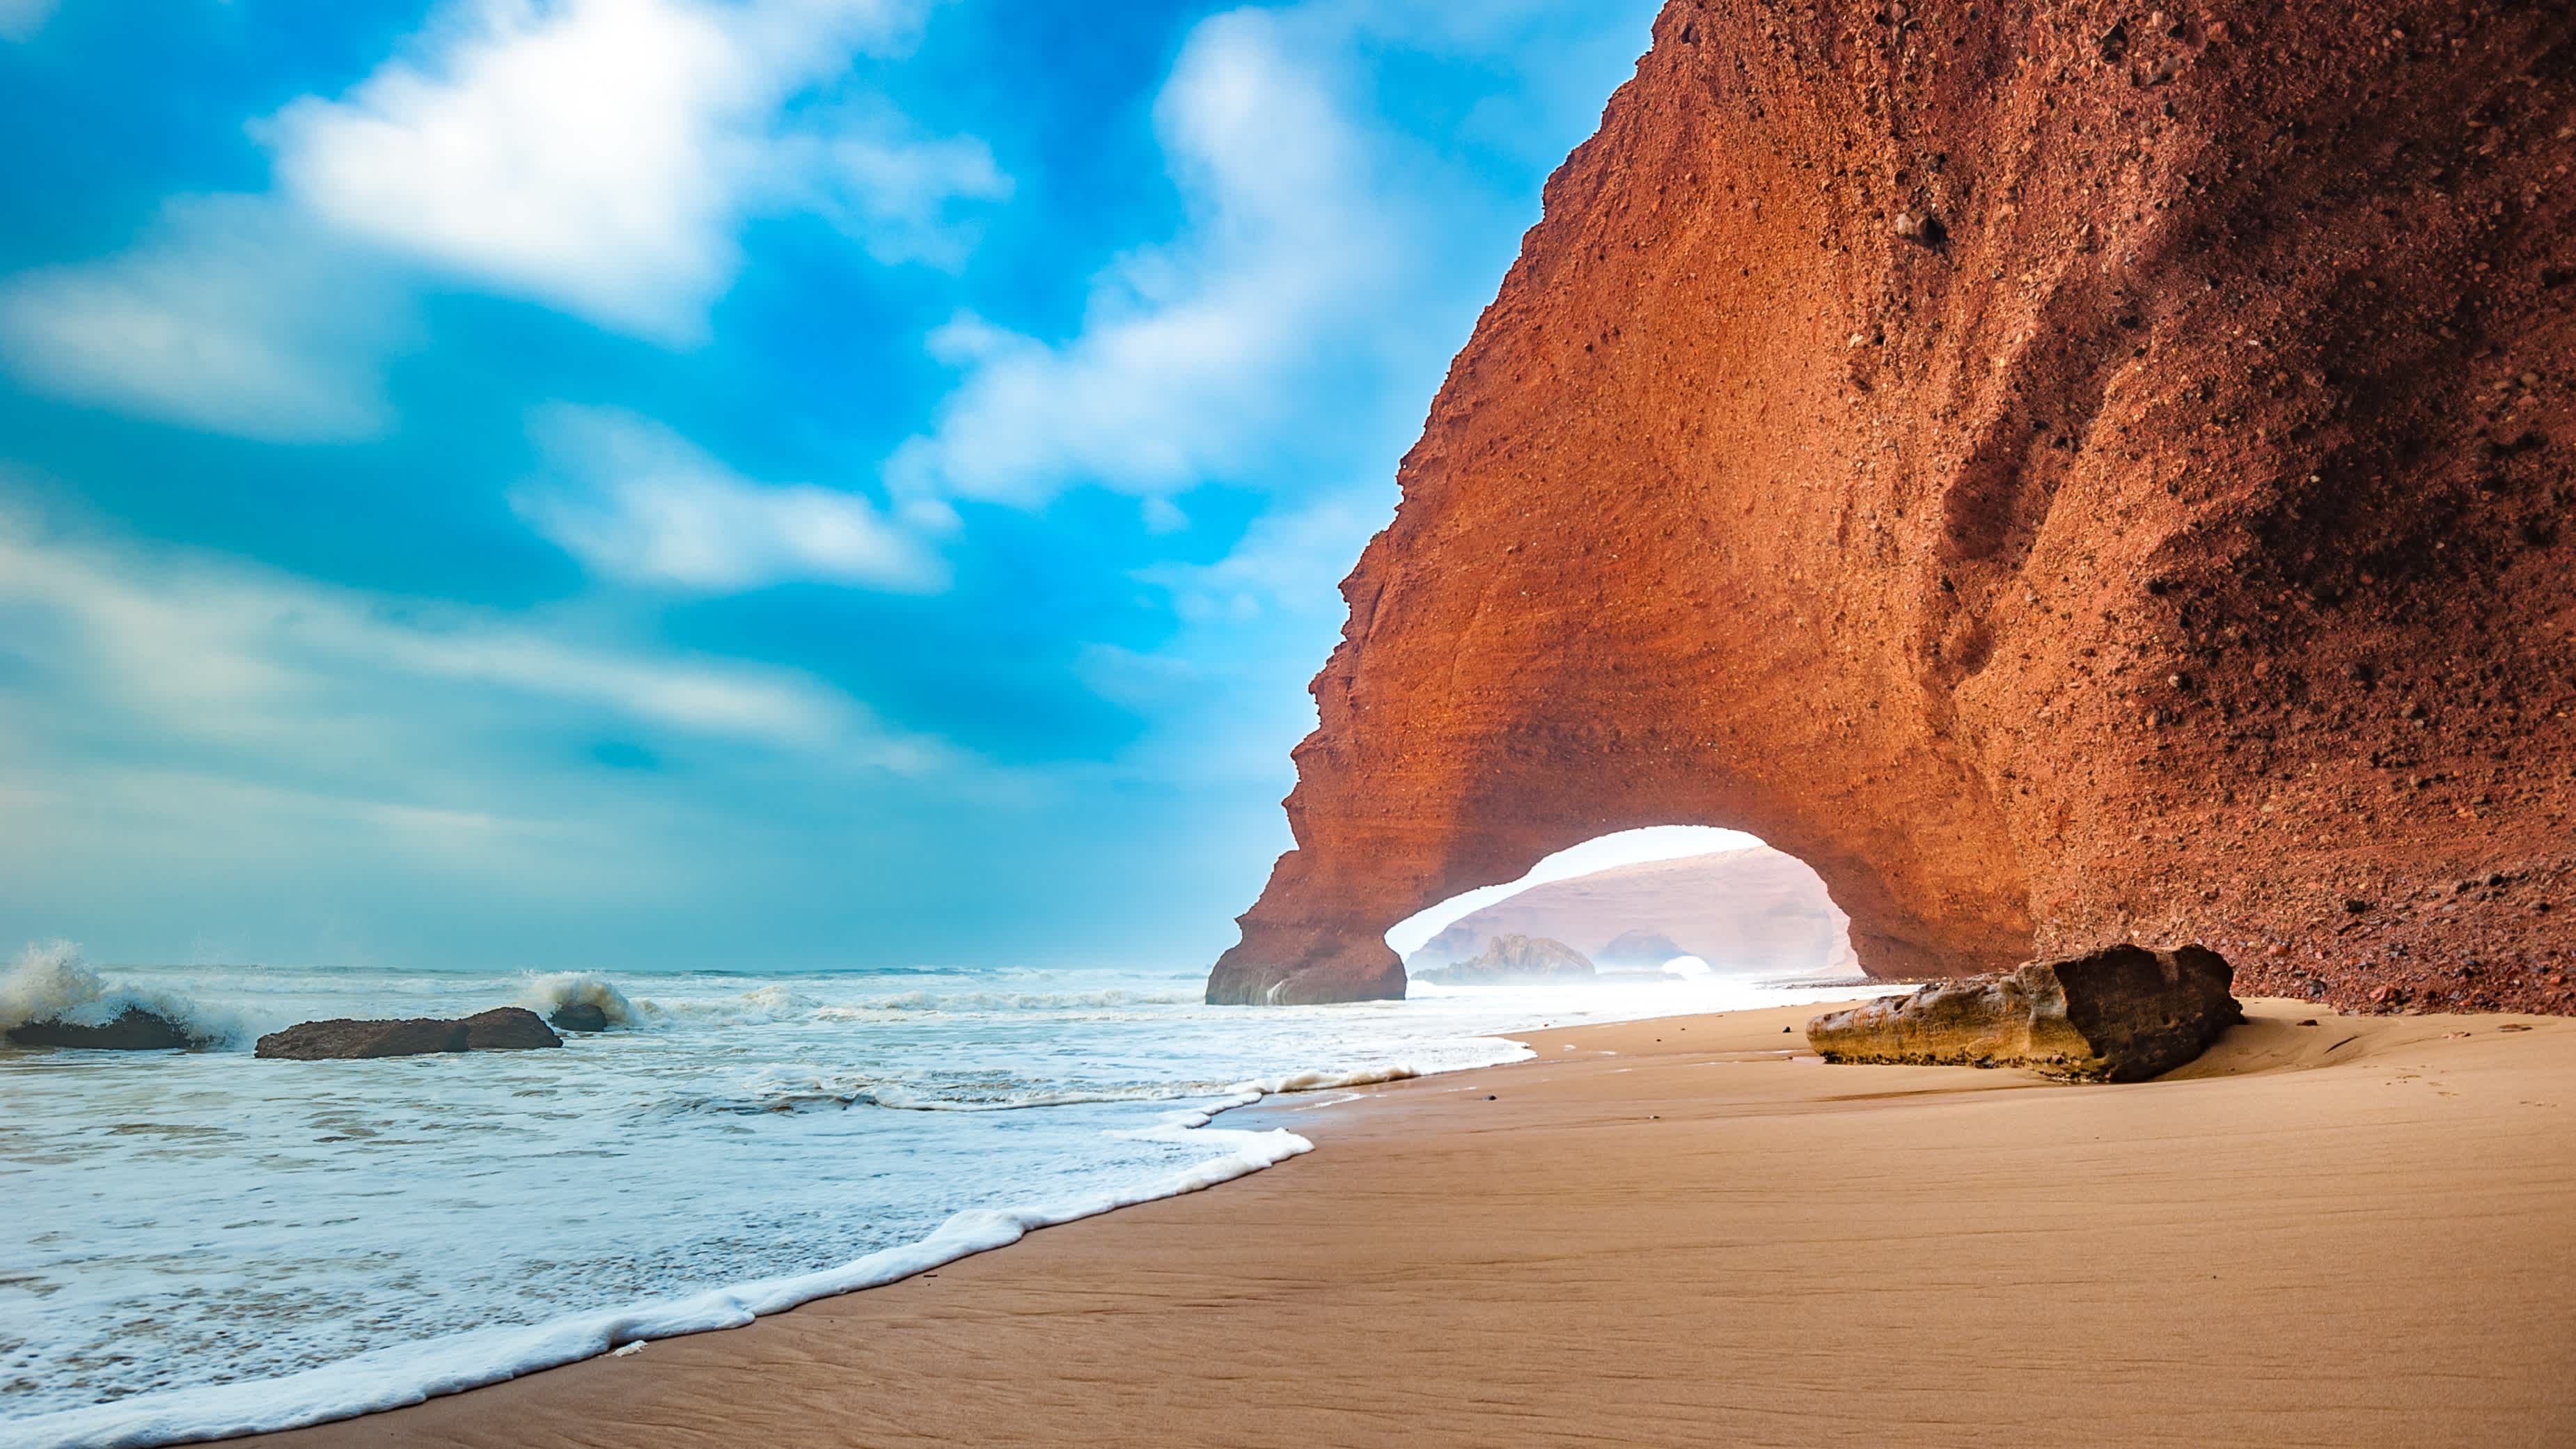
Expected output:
{"points": [[2070, 473]]}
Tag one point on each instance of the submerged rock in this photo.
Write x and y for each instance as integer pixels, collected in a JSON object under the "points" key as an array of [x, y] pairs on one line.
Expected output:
{"points": [[508, 1028], [578, 1016], [2118, 1015], [1515, 959], [134, 1030]]}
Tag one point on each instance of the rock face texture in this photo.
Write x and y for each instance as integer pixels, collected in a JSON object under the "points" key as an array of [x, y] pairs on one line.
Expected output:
{"points": [[1517, 959], [133, 1030], [2119, 1015], [1739, 910], [2068, 478], [507, 1028]]}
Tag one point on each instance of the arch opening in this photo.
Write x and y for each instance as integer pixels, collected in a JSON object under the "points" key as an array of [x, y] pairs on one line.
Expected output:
{"points": [[1657, 905]]}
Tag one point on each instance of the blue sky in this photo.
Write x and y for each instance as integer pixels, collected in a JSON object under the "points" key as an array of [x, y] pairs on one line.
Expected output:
{"points": [[718, 483]]}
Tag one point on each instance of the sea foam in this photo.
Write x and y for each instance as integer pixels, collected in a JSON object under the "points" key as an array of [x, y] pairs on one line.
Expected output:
{"points": [[350, 1237], [547, 995], [409, 1373], [50, 982]]}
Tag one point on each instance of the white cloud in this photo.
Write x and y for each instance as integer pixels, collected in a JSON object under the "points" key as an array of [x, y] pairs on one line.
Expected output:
{"points": [[1321, 253], [600, 155], [21, 19], [1284, 563], [1188, 352], [895, 193], [637, 502], [596, 156], [226, 317], [189, 650]]}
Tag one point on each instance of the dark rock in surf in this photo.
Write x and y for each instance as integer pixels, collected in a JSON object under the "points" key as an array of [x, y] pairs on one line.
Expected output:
{"points": [[508, 1028], [578, 1016], [346, 1039], [134, 1030]]}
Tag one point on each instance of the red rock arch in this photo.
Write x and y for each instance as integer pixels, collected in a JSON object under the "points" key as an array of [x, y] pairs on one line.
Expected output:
{"points": [[2168, 545]]}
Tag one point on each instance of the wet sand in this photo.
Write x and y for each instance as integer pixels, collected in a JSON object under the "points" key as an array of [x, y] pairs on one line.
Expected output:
{"points": [[2356, 1233]]}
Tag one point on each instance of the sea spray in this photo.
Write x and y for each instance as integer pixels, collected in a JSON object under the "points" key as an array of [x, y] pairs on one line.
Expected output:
{"points": [[547, 995], [49, 982]]}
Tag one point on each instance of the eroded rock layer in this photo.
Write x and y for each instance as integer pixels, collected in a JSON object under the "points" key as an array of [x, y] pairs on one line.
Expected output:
{"points": [[2070, 474]]}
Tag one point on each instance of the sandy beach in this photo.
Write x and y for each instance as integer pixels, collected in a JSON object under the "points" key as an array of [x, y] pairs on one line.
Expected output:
{"points": [[2360, 1231]]}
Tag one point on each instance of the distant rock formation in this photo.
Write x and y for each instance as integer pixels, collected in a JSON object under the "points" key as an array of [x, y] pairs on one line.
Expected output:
{"points": [[133, 1030], [2069, 480], [506, 1028], [2119, 1015], [1641, 951], [1516, 960], [1750, 910]]}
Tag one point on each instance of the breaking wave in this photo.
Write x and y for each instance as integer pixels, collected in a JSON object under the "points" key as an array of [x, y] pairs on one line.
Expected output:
{"points": [[50, 982], [547, 995]]}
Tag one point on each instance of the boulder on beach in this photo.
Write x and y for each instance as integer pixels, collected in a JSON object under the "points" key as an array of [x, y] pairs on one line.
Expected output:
{"points": [[133, 1030], [1515, 959], [578, 1016], [2118, 1015], [508, 1028]]}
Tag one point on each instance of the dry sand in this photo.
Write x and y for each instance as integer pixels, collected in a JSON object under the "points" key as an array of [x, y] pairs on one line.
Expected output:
{"points": [[2361, 1232]]}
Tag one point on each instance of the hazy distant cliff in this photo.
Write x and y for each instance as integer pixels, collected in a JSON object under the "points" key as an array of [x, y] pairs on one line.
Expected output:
{"points": [[2066, 475], [1738, 910]]}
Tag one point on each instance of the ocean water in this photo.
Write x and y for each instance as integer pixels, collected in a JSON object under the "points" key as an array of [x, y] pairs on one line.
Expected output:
{"points": [[205, 1243]]}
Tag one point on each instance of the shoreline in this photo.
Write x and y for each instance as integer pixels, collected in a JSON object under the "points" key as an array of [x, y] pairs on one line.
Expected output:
{"points": [[2346, 1236]]}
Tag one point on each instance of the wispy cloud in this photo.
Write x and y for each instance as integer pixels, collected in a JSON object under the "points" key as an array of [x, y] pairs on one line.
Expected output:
{"points": [[185, 650], [639, 503], [599, 157], [1184, 364], [1318, 257], [1284, 563], [229, 316], [20, 19], [902, 196]]}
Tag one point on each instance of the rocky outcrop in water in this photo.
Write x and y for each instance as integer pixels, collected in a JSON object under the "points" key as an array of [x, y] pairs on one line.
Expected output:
{"points": [[578, 1016], [2120, 1015], [2068, 478], [133, 1030], [507, 1028], [1522, 960]]}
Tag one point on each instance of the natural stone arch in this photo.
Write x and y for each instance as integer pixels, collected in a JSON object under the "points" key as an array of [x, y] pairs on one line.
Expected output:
{"points": [[1922, 901], [2167, 546]]}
